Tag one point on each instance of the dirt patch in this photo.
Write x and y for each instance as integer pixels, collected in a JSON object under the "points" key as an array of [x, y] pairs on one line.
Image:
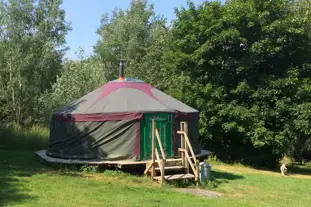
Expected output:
{"points": [[200, 192]]}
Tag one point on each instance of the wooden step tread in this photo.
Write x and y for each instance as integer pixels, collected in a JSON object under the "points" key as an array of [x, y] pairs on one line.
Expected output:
{"points": [[171, 168], [167, 160], [173, 159], [176, 177]]}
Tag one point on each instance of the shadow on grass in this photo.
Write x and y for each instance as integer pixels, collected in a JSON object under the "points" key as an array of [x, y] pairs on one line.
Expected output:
{"points": [[225, 176], [17, 161], [10, 192], [291, 169], [15, 169], [302, 170]]}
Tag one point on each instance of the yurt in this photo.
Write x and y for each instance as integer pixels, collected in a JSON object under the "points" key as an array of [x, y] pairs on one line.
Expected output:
{"points": [[114, 122]]}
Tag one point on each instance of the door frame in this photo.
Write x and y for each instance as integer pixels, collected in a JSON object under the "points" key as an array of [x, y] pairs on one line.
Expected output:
{"points": [[162, 119]]}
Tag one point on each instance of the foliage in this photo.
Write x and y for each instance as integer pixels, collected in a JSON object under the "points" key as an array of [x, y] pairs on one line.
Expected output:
{"points": [[32, 36], [246, 66], [89, 168], [136, 35], [77, 78]]}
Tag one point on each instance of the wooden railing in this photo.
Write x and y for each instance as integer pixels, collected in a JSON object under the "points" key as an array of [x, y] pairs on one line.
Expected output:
{"points": [[189, 161], [185, 148], [155, 154]]}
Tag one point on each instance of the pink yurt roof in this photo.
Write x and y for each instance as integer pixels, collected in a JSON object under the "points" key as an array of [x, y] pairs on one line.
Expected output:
{"points": [[128, 97]]}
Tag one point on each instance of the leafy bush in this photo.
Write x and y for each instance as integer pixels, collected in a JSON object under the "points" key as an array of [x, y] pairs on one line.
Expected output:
{"points": [[246, 66], [77, 78], [89, 168]]}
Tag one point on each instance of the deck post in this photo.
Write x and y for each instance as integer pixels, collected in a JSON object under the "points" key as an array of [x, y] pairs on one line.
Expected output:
{"points": [[182, 144], [162, 172], [186, 147], [197, 180], [153, 149]]}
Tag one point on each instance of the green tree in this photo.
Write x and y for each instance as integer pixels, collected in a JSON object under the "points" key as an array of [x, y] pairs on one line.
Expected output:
{"points": [[32, 46], [246, 66], [137, 35], [77, 78]]}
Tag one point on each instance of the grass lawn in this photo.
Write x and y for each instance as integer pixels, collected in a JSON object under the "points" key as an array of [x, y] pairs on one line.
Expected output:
{"points": [[25, 181]]}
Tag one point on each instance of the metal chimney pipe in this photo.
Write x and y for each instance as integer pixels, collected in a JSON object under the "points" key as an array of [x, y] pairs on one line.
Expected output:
{"points": [[121, 72]]}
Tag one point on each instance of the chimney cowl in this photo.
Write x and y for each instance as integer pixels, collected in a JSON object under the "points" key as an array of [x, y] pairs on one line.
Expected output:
{"points": [[121, 72]]}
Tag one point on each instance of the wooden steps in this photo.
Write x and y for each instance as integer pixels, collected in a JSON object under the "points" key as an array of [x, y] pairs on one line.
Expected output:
{"points": [[180, 168], [175, 177]]}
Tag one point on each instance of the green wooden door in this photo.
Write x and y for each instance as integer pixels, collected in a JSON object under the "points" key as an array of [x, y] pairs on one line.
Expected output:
{"points": [[163, 122]]}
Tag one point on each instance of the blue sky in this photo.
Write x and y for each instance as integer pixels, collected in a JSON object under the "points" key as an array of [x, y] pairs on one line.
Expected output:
{"points": [[85, 15]]}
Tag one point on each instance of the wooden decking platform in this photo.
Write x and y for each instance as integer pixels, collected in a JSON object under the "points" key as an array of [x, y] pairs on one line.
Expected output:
{"points": [[42, 155]]}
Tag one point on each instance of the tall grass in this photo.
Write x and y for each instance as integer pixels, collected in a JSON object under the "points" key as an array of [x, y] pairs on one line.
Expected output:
{"points": [[15, 137]]}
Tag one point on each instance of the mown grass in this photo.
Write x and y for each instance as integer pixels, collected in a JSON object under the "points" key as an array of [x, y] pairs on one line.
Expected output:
{"points": [[25, 181]]}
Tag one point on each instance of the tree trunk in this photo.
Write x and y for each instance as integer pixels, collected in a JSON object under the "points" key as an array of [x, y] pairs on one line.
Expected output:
{"points": [[13, 94]]}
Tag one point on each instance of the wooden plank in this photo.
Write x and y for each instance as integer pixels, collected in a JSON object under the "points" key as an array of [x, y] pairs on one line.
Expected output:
{"points": [[186, 127], [153, 149], [171, 168], [161, 165], [182, 143], [163, 170], [197, 173], [176, 177], [148, 167], [186, 145], [189, 144], [158, 158], [173, 160], [190, 147], [191, 164], [160, 144]]}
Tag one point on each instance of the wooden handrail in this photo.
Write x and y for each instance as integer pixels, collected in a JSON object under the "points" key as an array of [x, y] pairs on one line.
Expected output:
{"points": [[153, 149], [190, 147], [191, 164], [160, 144], [185, 146], [155, 153], [188, 143], [148, 167], [189, 160], [161, 166], [158, 160], [184, 150]]}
